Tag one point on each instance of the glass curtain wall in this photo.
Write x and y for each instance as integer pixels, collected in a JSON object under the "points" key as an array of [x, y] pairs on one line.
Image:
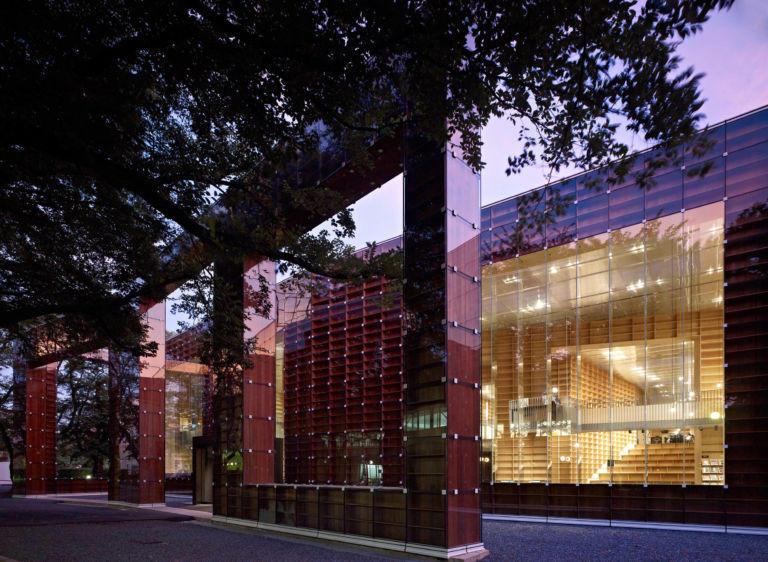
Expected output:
{"points": [[603, 358], [184, 382]]}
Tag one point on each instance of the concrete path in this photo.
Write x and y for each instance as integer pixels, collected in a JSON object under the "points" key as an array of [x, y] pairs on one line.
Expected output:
{"points": [[57, 530]]}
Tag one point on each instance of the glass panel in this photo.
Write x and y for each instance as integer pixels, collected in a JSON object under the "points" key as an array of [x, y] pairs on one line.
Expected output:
{"points": [[590, 184], [627, 356], [704, 182], [747, 170], [561, 222], [486, 248], [532, 407], [602, 359], [562, 322], [627, 206], [747, 131], [667, 385], [485, 218], [501, 312], [503, 212], [592, 360], [531, 209], [504, 242], [664, 196], [707, 145], [592, 215], [184, 382], [704, 460]]}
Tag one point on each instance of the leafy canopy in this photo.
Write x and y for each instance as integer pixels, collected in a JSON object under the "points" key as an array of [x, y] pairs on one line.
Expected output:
{"points": [[123, 120]]}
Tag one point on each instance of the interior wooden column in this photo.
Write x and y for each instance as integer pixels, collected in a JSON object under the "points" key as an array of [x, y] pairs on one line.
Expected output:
{"points": [[442, 347]]}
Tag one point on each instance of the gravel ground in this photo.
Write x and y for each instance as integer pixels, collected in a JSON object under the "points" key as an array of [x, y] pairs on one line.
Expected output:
{"points": [[50, 530], [535, 541]]}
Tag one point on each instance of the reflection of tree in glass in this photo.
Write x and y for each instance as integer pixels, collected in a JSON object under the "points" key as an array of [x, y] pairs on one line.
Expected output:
{"points": [[547, 217], [82, 416]]}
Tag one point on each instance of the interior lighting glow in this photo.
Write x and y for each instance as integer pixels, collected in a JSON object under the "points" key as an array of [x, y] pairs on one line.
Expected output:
{"points": [[714, 415]]}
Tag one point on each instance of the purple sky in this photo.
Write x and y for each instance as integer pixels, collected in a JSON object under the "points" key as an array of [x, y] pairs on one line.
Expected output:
{"points": [[732, 52]]}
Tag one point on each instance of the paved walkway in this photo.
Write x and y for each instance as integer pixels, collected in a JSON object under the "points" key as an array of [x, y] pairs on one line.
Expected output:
{"points": [[60, 530], [175, 503], [84, 528]]}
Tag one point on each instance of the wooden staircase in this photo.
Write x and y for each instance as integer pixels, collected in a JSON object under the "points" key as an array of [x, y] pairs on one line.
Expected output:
{"points": [[668, 463]]}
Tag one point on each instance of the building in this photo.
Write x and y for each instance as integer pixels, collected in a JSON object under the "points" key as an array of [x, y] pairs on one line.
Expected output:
{"points": [[622, 342], [588, 351], [622, 329]]}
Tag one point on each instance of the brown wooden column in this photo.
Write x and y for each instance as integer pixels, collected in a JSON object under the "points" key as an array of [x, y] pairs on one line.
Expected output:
{"points": [[259, 378], [40, 429], [137, 417], [152, 409], [442, 348]]}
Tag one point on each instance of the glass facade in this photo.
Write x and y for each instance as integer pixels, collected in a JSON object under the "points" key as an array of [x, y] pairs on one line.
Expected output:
{"points": [[339, 364], [184, 384], [603, 357]]}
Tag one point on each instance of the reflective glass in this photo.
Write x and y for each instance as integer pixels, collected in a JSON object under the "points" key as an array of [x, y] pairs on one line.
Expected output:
{"points": [[603, 361]]}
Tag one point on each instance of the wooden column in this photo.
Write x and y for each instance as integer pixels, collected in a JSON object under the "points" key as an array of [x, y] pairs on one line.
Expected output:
{"points": [[259, 379], [40, 430], [137, 417], [442, 349]]}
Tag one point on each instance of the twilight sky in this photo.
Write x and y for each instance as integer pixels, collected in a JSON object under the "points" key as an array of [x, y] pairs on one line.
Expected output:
{"points": [[732, 52]]}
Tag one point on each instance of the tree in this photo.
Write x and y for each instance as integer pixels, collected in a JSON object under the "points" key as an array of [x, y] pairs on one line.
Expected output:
{"points": [[124, 121]]}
